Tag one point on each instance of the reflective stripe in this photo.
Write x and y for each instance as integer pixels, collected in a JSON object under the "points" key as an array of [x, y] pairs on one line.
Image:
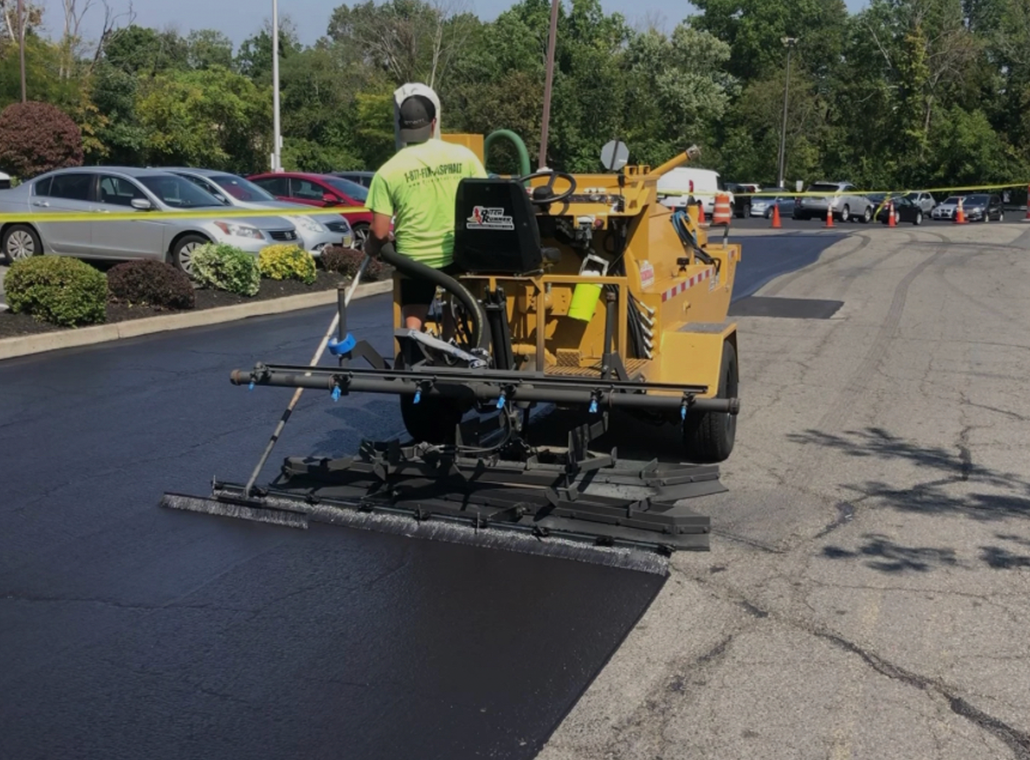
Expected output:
{"points": [[688, 283], [723, 214]]}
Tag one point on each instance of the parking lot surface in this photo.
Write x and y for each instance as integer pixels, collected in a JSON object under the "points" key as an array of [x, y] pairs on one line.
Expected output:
{"points": [[868, 590]]}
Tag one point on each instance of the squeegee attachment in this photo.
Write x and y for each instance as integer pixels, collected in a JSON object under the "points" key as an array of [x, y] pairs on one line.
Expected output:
{"points": [[588, 507]]}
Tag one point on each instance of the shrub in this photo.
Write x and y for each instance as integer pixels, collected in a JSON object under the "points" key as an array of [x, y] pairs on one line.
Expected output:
{"points": [[346, 261], [287, 262], [38, 137], [58, 290], [151, 282], [225, 267]]}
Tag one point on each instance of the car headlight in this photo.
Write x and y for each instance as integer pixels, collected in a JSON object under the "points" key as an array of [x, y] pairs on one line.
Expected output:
{"points": [[307, 223], [240, 230]]}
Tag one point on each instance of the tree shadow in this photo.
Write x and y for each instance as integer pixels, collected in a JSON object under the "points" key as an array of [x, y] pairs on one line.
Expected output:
{"points": [[888, 556], [945, 467]]}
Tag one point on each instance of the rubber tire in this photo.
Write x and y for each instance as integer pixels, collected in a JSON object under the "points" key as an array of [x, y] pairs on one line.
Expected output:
{"points": [[708, 437], [867, 216], [1001, 217], [176, 251], [37, 244], [919, 219], [845, 214], [361, 233], [431, 420]]}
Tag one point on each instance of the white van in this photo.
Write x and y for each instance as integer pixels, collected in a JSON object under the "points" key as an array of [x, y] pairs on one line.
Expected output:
{"points": [[706, 184]]}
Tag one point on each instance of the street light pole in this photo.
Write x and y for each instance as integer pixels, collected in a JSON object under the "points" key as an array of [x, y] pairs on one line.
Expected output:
{"points": [[789, 42], [21, 48], [277, 138]]}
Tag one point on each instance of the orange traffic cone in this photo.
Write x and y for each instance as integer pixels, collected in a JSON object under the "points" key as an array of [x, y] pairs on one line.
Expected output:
{"points": [[776, 216], [829, 216], [960, 215], [701, 212], [891, 221]]}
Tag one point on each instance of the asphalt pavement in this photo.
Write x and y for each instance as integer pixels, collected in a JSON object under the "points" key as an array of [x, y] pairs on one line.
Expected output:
{"points": [[128, 631], [868, 590]]}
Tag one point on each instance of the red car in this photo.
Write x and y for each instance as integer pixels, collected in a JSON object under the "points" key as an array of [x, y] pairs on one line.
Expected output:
{"points": [[322, 190]]}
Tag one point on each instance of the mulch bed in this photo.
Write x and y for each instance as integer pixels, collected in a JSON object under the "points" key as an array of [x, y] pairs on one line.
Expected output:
{"points": [[14, 325]]}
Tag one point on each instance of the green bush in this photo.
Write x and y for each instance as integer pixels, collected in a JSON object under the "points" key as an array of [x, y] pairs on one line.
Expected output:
{"points": [[146, 281], [225, 267], [346, 261], [59, 290], [287, 262]]}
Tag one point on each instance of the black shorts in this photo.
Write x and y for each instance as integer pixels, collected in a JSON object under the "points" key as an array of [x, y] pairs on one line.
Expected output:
{"points": [[421, 292]]}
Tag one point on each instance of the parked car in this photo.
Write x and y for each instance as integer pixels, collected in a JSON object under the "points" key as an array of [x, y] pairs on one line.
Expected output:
{"points": [[946, 209], [905, 210], [362, 178], [316, 231], [742, 197], [5, 181], [100, 190], [841, 197], [321, 190], [983, 207], [922, 199], [763, 204]]}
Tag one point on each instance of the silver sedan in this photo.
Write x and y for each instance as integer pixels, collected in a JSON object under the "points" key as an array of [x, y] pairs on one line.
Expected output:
{"points": [[103, 190], [316, 231]]}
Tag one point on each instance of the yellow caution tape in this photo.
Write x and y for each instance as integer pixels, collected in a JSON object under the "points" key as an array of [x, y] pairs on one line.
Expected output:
{"points": [[891, 193], [147, 216]]}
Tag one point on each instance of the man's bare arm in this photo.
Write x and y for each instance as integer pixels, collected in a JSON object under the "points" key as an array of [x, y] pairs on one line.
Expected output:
{"points": [[379, 234]]}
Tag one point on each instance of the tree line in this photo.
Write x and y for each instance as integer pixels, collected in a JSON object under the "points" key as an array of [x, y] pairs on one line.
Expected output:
{"points": [[905, 93]]}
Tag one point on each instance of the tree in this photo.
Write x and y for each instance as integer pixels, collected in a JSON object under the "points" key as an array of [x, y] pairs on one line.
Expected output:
{"points": [[255, 56], [206, 48], [212, 118], [141, 50], [37, 137]]}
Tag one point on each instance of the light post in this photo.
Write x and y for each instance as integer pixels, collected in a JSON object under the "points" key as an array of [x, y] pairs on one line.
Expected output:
{"points": [[21, 47], [789, 43], [277, 138]]}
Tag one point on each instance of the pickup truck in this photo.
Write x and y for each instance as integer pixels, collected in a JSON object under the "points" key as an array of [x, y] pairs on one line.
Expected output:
{"points": [[847, 205]]}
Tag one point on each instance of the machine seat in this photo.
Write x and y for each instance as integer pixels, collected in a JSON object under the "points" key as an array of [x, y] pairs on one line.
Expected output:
{"points": [[495, 229]]}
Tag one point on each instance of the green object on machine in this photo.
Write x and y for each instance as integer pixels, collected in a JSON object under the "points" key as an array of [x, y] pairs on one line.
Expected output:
{"points": [[584, 301], [520, 146]]}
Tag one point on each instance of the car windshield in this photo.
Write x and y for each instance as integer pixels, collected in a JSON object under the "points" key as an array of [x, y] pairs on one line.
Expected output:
{"points": [[979, 200], [878, 197], [823, 187], [177, 192], [242, 189], [348, 188], [952, 200]]}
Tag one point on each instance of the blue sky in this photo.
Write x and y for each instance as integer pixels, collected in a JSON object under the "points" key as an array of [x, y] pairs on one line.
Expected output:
{"points": [[238, 19]]}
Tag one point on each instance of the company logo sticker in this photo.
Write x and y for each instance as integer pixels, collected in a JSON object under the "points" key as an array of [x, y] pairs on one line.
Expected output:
{"points": [[484, 218], [646, 274]]}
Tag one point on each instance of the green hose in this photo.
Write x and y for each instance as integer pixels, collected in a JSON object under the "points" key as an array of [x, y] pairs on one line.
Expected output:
{"points": [[520, 146]]}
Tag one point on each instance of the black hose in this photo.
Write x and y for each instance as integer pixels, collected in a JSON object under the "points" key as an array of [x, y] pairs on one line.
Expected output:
{"points": [[419, 271]]}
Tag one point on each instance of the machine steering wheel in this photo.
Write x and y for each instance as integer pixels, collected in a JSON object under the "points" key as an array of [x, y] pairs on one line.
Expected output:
{"points": [[545, 195]]}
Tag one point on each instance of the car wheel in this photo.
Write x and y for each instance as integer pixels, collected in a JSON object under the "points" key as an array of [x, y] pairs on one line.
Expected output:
{"points": [[1001, 216], [845, 214], [361, 232], [20, 242], [182, 252], [918, 219], [987, 217], [867, 216]]}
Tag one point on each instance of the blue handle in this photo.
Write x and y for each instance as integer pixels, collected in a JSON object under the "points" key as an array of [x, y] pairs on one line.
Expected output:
{"points": [[593, 406], [500, 402], [251, 385], [418, 395], [340, 348], [336, 393]]}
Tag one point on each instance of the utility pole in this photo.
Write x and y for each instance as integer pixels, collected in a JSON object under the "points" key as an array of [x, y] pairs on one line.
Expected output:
{"points": [[549, 82], [789, 43], [277, 165], [21, 47]]}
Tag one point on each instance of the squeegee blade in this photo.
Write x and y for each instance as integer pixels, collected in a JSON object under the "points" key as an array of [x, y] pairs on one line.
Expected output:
{"points": [[239, 509]]}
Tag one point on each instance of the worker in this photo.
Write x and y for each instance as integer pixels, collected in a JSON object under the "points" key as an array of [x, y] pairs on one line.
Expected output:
{"points": [[416, 191]]}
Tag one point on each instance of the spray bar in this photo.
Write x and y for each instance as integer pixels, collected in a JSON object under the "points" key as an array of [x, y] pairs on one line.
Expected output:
{"points": [[490, 386]]}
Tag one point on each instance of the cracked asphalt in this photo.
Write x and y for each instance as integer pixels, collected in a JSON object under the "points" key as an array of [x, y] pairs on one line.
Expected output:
{"points": [[865, 596], [868, 590]]}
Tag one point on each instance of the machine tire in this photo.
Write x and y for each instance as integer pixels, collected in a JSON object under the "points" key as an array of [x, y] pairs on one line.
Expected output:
{"points": [[26, 236], [185, 245], [431, 420], [708, 437]]}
